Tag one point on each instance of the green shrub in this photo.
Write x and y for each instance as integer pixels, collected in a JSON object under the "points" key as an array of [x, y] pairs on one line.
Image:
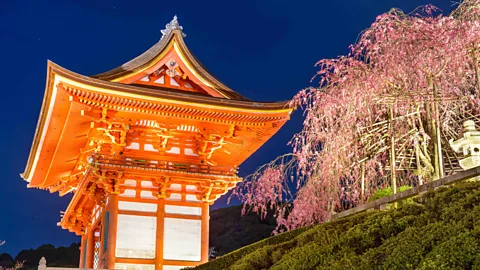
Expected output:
{"points": [[385, 192], [440, 231]]}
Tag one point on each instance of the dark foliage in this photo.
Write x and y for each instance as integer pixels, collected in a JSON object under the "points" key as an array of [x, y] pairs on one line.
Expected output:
{"points": [[56, 257], [229, 230], [6, 260]]}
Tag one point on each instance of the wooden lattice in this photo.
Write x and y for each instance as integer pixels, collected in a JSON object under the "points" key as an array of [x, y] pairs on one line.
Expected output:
{"points": [[414, 150]]}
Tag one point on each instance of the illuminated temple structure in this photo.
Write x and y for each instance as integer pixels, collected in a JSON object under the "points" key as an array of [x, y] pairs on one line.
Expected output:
{"points": [[145, 148]]}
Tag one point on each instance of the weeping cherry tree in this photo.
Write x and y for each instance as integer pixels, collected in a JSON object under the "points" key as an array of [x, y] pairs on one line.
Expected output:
{"points": [[381, 116]]}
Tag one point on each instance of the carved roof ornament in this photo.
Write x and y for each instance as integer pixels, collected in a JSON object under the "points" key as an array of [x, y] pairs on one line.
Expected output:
{"points": [[173, 25]]}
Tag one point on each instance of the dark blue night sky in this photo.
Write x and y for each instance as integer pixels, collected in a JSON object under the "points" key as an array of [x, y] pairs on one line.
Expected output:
{"points": [[266, 50]]}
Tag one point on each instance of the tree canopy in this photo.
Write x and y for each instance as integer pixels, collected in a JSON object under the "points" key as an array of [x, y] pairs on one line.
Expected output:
{"points": [[382, 115]]}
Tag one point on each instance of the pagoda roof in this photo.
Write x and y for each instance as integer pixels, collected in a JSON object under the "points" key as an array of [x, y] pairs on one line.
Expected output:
{"points": [[171, 40], [71, 100], [64, 86], [167, 93]]}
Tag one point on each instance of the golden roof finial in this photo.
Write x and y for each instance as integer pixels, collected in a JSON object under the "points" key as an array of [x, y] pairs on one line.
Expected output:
{"points": [[172, 25]]}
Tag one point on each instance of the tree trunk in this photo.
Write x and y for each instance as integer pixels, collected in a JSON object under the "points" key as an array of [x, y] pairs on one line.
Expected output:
{"points": [[437, 139], [392, 153], [363, 184]]}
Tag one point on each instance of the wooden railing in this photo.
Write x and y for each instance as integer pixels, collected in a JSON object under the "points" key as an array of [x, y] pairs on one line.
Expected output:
{"points": [[380, 203], [161, 164]]}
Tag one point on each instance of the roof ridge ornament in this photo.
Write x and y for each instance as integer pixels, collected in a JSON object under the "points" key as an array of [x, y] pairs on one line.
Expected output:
{"points": [[172, 25]]}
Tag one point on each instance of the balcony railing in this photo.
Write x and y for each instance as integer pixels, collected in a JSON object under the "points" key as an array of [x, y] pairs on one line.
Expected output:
{"points": [[161, 165]]}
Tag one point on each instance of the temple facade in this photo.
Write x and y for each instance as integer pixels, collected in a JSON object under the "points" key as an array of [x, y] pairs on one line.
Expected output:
{"points": [[145, 149]]}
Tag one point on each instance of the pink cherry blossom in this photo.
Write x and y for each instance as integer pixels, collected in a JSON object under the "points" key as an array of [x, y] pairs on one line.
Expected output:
{"points": [[410, 79]]}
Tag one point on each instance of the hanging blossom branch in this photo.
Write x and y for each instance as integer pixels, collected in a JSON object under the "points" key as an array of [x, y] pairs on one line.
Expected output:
{"points": [[269, 187], [467, 10], [396, 86]]}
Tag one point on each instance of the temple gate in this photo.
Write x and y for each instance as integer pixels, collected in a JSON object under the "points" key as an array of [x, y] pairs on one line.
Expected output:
{"points": [[145, 148]]}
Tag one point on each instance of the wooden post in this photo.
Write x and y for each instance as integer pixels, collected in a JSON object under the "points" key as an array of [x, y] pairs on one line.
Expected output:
{"points": [[103, 254], [82, 251], [363, 183], [417, 160], [392, 154], [205, 232], [438, 138], [112, 208], [90, 247], [433, 116], [160, 234]]}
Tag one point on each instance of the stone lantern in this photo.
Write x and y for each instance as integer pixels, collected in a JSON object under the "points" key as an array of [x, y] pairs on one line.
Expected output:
{"points": [[469, 145]]}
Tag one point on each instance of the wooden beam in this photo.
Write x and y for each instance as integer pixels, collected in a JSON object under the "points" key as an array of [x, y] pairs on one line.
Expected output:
{"points": [[192, 204], [140, 200], [180, 263], [180, 216], [137, 213], [135, 261]]}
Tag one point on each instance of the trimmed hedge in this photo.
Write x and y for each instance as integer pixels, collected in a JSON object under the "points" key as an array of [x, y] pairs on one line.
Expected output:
{"points": [[440, 230], [385, 192], [224, 262]]}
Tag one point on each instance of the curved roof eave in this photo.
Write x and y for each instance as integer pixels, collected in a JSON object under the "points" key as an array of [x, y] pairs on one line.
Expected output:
{"points": [[53, 69], [40, 128], [173, 95]]}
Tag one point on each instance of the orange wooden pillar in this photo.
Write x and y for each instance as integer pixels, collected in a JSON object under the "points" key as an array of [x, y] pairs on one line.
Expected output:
{"points": [[160, 234], [101, 251], [82, 251], [90, 248], [112, 209], [205, 231]]}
